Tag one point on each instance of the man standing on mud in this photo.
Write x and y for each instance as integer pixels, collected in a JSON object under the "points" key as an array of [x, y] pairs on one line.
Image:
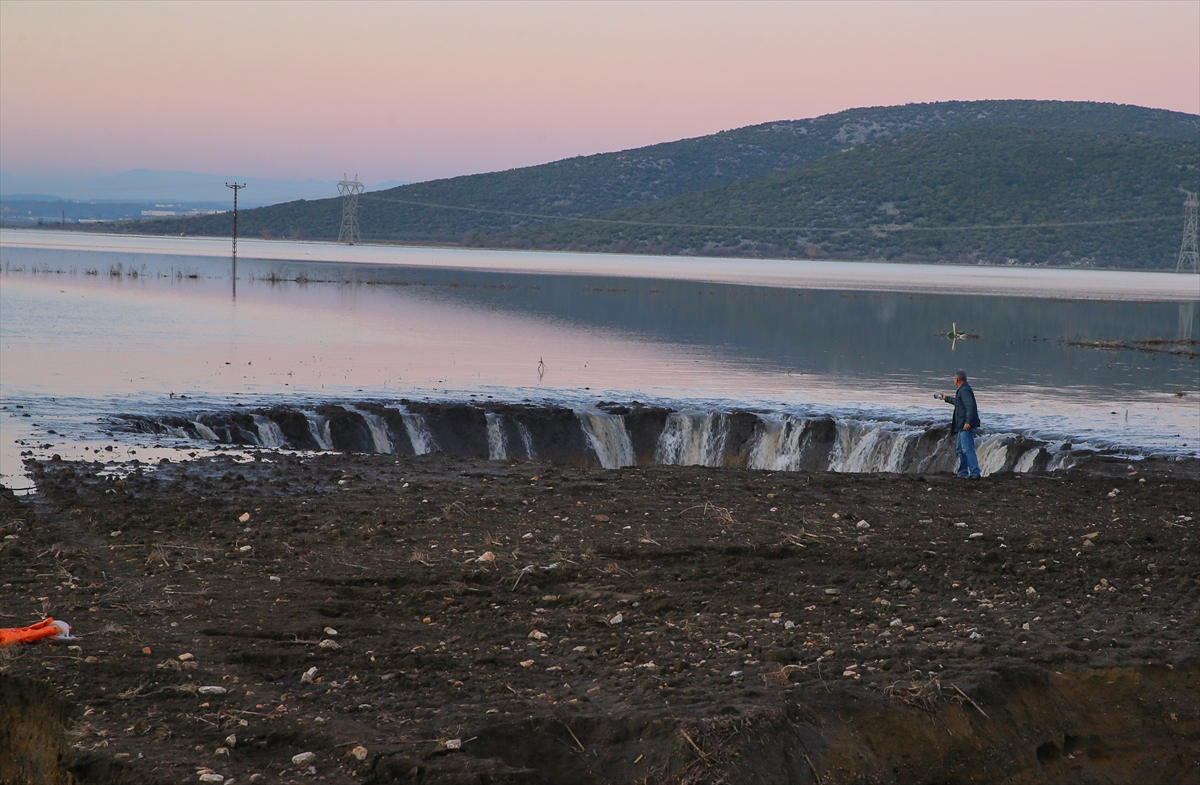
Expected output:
{"points": [[964, 424]]}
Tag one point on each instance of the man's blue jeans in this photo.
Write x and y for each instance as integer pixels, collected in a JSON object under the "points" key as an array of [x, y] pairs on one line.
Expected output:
{"points": [[968, 462]]}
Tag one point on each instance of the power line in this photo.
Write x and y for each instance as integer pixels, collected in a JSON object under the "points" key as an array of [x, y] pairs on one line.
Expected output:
{"points": [[1188, 258], [349, 189], [236, 187], [885, 228]]}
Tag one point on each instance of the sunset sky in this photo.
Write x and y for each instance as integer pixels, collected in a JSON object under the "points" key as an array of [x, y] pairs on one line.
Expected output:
{"points": [[415, 91]]}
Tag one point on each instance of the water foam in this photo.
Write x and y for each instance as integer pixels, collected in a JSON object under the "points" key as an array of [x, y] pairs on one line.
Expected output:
{"points": [[318, 426], [1025, 463], [418, 432], [780, 445], [693, 440], [269, 432], [608, 438], [495, 434], [526, 441], [378, 428]]}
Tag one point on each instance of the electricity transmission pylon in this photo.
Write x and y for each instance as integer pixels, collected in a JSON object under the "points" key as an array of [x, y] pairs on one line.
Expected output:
{"points": [[350, 189], [1188, 261]]}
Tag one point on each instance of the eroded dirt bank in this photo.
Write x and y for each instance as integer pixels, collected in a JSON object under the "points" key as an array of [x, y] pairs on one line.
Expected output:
{"points": [[485, 622]]}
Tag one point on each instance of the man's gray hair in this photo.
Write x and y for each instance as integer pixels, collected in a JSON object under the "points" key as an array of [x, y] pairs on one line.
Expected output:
{"points": [[961, 375]]}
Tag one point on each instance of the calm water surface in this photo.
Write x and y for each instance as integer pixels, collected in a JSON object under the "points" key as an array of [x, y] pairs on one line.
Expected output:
{"points": [[86, 333]]}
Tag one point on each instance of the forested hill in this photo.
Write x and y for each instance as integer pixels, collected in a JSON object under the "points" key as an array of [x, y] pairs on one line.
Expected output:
{"points": [[1029, 195], [475, 208]]}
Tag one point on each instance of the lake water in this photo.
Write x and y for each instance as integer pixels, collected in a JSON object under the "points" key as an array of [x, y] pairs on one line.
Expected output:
{"points": [[95, 326]]}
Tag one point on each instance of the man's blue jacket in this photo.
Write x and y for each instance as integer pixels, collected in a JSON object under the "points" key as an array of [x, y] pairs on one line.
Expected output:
{"points": [[965, 410]]}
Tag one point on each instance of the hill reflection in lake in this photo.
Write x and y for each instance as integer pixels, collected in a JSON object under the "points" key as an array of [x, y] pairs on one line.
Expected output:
{"points": [[386, 330]]}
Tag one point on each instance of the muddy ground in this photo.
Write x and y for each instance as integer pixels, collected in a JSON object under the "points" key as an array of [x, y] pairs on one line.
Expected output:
{"points": [[444, 620]]}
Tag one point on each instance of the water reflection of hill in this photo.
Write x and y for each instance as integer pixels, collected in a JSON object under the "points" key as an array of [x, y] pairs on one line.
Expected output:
{"points": [[858, 334]]}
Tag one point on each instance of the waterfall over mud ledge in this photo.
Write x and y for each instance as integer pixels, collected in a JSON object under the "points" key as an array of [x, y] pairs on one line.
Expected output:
{"points": [[610, 436]]}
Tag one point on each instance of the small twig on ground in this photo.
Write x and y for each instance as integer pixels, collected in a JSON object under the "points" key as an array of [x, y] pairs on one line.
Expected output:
{"points": [[696, 747], [968, 699], [815, 773], [576, 738]]}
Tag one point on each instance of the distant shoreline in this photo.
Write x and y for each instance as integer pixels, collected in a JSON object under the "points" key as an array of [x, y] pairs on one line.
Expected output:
{"points": [[995, 280]]}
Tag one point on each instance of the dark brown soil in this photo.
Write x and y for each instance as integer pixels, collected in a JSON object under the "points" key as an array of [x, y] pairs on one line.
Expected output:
{"points": [[531, 623]]}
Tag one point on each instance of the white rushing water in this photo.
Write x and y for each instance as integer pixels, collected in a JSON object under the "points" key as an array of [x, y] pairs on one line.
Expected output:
{"points": [[526, 441], [206, 432], [418, 431], [1025, 462], [608, 437], [871, 447], [377, 427], [318, 426], [495, 434], [269, 432], [781, 444], [690, 439], [992, 452]]}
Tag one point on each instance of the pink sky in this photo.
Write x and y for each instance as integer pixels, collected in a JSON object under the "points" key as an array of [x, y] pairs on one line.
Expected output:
{"points": [[415, 91]]}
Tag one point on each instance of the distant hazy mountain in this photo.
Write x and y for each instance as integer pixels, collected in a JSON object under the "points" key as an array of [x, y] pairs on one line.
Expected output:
{"points": [[146, 185], [501, 208]]}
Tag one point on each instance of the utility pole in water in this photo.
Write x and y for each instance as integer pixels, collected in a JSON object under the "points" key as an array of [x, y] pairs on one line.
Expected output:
{"points": [[235, 188]]}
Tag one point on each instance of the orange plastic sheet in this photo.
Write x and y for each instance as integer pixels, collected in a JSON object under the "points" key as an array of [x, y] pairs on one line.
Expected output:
{"points": [[46, 628]]}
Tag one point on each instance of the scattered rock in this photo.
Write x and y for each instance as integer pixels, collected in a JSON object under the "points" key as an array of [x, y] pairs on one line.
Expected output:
{"points": [[331, 632], [616, 619], [487, 558], [244, 517], [359, 753], [862, 525], [309, 675], [304, 758], [212, 689], [328, 644], [538, 635]]}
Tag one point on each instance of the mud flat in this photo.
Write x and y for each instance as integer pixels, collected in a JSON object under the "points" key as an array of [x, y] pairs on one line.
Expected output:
{"points": [[439, 619]]}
